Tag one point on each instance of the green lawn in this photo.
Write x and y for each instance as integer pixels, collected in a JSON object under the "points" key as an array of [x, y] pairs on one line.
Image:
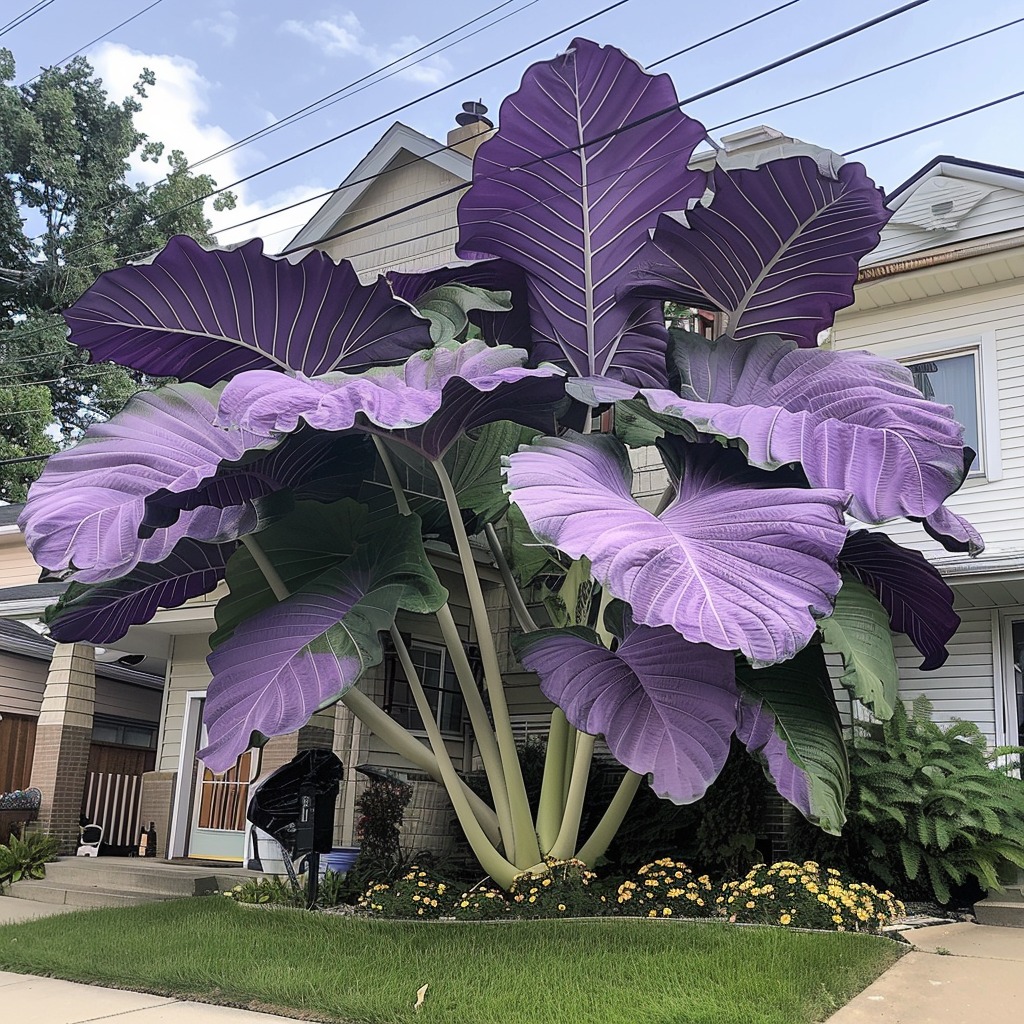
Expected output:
{"points": [[333, 968]]}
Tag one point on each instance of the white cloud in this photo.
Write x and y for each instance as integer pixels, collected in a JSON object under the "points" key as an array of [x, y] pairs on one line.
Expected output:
{"points": [[343, 36], [176, 113], [224, 25]]}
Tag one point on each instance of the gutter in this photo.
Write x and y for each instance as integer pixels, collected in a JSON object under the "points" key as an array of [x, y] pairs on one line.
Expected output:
{"points": [[904, 266]]}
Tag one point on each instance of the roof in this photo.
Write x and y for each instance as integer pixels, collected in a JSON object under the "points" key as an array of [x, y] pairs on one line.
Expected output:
{"points": [[935, 166], [398, 139], [9, 514], [18, 638]]}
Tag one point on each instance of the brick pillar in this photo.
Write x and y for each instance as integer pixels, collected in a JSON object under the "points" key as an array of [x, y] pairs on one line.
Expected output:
{"points": [[63, 738]]}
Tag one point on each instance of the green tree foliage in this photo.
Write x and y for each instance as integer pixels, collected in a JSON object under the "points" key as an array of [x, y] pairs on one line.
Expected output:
{"points": [[932, 813], [67, 213]]}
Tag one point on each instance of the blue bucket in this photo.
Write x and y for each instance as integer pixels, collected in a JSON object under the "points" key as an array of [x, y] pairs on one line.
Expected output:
{"points": [[339, 860]]}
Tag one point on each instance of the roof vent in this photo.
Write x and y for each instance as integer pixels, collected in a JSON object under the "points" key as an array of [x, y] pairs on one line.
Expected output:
{"points": [[941, 209]]}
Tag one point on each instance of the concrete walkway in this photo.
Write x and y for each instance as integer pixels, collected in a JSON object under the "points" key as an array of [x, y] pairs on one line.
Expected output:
{"points": [[956, 974]]}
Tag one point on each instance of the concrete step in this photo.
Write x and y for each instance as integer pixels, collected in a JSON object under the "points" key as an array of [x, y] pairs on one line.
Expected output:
{"points": [[1002, 912], [82, 895]]}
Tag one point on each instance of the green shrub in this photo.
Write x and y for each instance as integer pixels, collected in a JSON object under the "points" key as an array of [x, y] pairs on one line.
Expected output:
{"points": [[564, 889], [26, 858], [381, 808], [719, 832], [481, 905], [930, 811], [806, 896], [272, 889], [666, 888], [416, 894]]}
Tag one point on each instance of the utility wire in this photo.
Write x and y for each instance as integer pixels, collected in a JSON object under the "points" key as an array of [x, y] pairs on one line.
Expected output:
{"points": [[454, 146], [110, 31], [24, 16], [349, 90], [381, 117], [796, 55], [723, 33], [862, 78], [932, 124]]}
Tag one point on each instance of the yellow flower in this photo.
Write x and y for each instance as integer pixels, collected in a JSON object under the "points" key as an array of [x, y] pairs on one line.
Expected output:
{"points": [[785, 919], [533, 899], [561, 906], [667, 911], [464, 903], [750, 904], [837, 918], [652, 913]]}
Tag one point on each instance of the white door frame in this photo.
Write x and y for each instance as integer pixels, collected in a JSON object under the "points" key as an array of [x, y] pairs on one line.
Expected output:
{"points": [[1004, 677], [181, 816]]}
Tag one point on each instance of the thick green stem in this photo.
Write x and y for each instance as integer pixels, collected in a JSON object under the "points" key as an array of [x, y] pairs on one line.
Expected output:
{"points": [[500, 869], [375, 718], [568, 757], [610, 821], [381, 724], [552, 792], [486, 742], [568, 834], [526, 849], [515, 598]]}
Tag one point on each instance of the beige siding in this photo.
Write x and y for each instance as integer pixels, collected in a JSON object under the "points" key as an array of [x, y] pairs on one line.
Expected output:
{"points": [[187, 671], [993, 506], [21, 684], [16, 565], [121, 700], [387, 245]]}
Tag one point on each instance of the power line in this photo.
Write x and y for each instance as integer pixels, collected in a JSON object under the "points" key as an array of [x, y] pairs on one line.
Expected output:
{"points": [[335, 97], [24, 16], [110, 31], [26, 458], [349, 90], [454, 146], [870, 74], [932, 124], [789, 58], [381, 117], [722, 34]]}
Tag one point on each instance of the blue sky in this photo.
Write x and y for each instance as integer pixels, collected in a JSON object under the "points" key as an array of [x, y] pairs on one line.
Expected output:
{"points": [[226, 68]]}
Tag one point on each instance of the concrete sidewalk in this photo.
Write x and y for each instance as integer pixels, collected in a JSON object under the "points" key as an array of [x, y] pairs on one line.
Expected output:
{"points": [[956, 974], [48, 1001]]}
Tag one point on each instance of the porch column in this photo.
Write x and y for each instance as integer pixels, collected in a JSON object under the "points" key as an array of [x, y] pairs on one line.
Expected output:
{"points": [[63, 738]]}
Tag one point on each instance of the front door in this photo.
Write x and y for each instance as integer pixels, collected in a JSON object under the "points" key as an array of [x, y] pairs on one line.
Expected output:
{"points": [[218, 809]]}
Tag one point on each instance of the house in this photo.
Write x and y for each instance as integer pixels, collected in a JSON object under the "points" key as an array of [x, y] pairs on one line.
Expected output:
{"points": [[944, 294], [78, 725]]}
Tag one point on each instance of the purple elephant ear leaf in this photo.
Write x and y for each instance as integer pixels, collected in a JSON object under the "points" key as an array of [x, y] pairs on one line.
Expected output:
{"points": [[306, 465], [735, 560], [777, 247], [206, 315], [574, 217], [86, 510], [952, 531], [103, 613], [287, 660], [666, 707], [789, 721], [427, 403], [814, 407], [918, 600]]}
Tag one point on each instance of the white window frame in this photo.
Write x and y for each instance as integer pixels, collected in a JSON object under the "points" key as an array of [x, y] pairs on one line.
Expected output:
{"points": [[1004, 677], [983, 347], [445, 658]]}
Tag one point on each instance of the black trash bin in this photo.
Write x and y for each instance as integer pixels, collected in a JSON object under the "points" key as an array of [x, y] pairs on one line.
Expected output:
{"points": [[296, 804]]}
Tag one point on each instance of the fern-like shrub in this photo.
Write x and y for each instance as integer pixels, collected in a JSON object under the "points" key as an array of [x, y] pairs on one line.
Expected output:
{"points": [[931, 813]]}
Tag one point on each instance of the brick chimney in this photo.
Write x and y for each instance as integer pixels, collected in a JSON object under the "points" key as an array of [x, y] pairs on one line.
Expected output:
{"points": [[474, 128]]}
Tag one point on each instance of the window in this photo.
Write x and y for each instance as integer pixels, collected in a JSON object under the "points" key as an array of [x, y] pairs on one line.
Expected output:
{"points": [[960, 371], [1017, 697], [953, 380], [440, 685], [123, 733]]}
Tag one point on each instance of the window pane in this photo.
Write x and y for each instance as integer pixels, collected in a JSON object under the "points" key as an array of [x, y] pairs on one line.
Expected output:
{"points": [[953, 381], [1018, 672]]}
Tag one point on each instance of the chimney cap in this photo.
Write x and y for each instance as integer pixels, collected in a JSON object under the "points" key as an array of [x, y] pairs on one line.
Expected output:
{"points": [[473, 113]]}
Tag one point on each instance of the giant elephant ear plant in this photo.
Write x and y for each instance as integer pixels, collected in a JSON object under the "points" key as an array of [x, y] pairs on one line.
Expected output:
{"points": [[302, 390]]}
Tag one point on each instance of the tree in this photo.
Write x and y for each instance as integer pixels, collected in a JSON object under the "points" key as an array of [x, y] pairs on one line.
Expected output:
{"points": [[324, 427], [67, 213]]}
